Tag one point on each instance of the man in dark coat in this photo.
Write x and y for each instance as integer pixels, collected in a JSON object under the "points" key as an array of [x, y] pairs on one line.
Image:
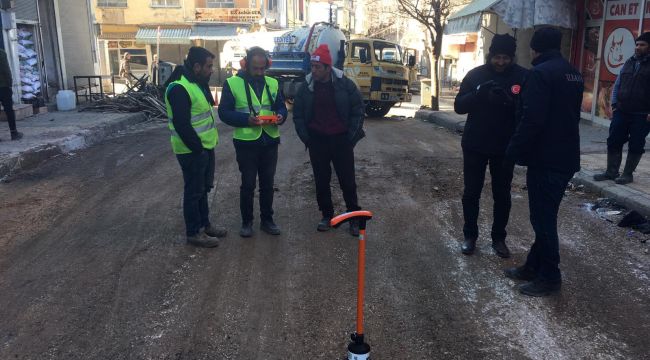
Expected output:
{"points": [[488, 94], [547, 140], [328, 115], [6, 93], [631, 122]]}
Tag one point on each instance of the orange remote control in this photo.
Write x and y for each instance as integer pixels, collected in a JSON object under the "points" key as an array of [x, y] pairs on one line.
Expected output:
{"points": [[269, 119]]}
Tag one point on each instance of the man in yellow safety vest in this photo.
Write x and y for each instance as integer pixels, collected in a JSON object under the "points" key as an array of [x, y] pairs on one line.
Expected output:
{"points": [[245, 98], [193, 138]]}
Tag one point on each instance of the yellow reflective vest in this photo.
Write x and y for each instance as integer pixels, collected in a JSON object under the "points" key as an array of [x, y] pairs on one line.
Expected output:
{"points": [[238, 89], [202, 117]]}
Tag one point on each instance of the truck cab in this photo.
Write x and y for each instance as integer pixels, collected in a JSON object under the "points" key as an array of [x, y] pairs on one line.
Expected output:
{"points": [[376, 67]]}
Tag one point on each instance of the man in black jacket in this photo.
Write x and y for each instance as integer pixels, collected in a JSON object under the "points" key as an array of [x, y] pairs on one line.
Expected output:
{"points": [[631, 122], [488, 94], [328, 115], [547, 140]]}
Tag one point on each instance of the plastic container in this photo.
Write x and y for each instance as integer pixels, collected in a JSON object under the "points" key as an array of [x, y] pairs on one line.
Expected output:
{"points": [[65, 100]]}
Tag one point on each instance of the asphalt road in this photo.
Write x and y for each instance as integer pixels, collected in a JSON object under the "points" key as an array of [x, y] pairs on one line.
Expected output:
{"points": [[93, 263]]}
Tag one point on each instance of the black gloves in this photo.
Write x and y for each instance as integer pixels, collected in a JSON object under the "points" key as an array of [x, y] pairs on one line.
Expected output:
{"points": [[485, 87], [494, 93], [499, 96]]}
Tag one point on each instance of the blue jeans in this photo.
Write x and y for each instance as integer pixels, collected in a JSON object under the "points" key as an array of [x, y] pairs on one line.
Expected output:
{"points": [[545, 192], [198, 175], [632, 128]]}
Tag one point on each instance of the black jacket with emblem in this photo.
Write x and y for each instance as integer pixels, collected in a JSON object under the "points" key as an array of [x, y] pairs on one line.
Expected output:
{"points": [[491, 117]]}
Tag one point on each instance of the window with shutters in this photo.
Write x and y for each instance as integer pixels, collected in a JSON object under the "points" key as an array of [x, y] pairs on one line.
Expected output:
{"points": [[165, 3], [111, 3], [220, 3]]}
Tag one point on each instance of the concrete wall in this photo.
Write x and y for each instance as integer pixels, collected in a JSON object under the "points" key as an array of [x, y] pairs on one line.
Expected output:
{"points": [[78, 39]]}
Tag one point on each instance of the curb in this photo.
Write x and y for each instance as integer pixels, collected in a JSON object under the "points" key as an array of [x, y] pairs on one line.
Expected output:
{"points": [[442, 118], [630, 198], [34, 156]]}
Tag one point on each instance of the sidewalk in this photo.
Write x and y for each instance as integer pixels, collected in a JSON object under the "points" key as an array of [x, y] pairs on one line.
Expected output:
{"points": [[50, 134], [593, 159]]}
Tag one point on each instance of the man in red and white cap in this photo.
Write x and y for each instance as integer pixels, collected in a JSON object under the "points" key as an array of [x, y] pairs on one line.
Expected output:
{"points": [[328, 115]]}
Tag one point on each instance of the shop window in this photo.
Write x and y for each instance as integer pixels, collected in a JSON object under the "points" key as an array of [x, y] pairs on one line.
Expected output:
{"points": [[220, 3], [30, 75], [139, 63], [165, 3], [111, 3], [272, 4]]}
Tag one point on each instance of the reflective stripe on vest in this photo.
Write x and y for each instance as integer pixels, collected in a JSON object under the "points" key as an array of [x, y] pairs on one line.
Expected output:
{"points": [[251, 133], [202, 118]]}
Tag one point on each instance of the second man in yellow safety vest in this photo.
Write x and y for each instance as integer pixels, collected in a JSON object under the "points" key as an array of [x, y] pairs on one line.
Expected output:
{"points": [[244, 98], [193, 139]]}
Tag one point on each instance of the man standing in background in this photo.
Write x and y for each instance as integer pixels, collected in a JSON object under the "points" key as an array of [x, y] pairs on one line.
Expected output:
{"points": [[6, 93]]}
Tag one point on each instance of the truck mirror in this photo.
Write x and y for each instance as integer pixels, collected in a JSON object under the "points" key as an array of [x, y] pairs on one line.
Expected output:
{"points": [[411, 60], [363, 56]]}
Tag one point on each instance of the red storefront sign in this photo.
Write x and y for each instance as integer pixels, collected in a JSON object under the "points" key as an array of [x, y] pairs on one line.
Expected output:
{"points": [[621, 28]]}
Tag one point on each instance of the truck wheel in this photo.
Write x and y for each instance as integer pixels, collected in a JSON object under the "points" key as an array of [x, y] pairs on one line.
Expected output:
{"points": [[377, 109]]}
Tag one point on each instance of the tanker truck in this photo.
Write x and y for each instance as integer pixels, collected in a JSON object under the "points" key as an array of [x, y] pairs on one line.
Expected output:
{"points": [[376, 66]]}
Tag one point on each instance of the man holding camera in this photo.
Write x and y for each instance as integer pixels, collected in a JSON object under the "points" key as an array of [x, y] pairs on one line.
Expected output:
{"points": [[488, 94]]}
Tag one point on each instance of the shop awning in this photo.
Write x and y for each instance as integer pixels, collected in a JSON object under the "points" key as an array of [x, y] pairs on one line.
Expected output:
{"points": [[214, 32], [468, 19], [117, 35], [179, 36], [525, 14], [517, 14]]}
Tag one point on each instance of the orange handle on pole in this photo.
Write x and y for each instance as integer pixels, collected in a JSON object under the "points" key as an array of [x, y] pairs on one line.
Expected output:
{"points": [[361, 275]]}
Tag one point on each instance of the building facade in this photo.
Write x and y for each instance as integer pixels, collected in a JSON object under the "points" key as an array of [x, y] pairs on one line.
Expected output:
{"points": [[37, 35], [169, 28]]}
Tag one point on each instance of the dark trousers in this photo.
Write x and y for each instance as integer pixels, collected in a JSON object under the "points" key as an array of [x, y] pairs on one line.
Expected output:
{"points": [[8, 106], [474, 164], [632, 128], [545, 192], [198, 175], [254, 160], [336, 150]]}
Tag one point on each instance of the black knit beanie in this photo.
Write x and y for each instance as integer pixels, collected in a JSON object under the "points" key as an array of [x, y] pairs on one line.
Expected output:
{"points": [[546, 39], [644, 37], [503, 44]]}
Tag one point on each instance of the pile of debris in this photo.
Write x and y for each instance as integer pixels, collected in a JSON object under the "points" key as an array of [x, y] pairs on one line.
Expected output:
{"points": [[142, 97], [613, 212]]}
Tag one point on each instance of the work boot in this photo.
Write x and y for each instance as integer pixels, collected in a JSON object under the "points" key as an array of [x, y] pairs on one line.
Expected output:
{"points": [[468, 246], [630, 165], [215, 231], [246, 230], [202, 240], [500, 248], [354, 227], [520, 273], [269, 227], [540, 288], [324, 224], [16, 135], [614, 159]]}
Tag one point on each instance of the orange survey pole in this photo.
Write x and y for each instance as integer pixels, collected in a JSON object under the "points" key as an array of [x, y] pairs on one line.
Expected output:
{"points": [[358, 349], [361, 276]]}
